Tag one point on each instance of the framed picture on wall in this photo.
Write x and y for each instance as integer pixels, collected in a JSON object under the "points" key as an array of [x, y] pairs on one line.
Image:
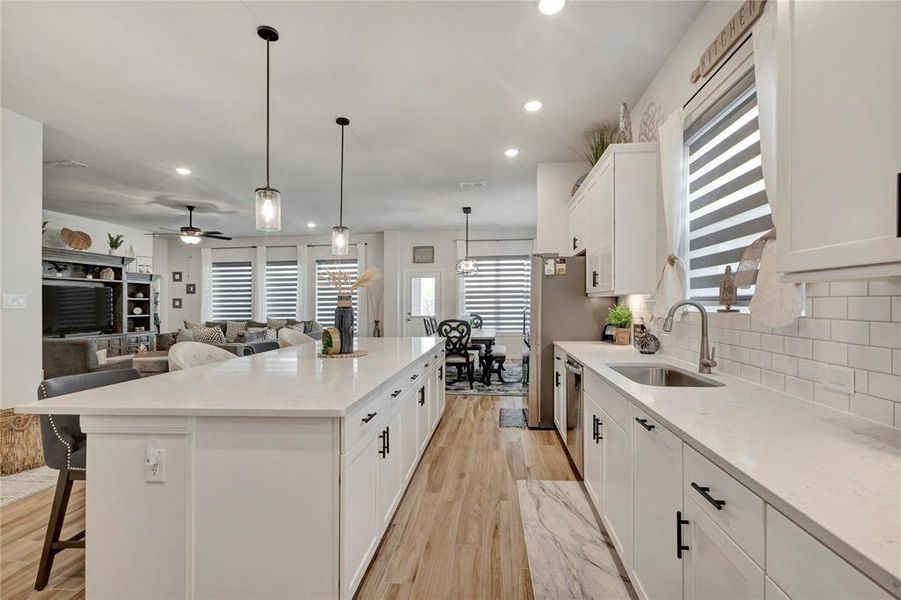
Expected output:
{"points": [[176, 276], [176, 303], [423, 255], [190, 288]]}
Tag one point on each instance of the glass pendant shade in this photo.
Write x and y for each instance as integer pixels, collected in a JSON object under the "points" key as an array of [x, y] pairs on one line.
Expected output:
{"points": [[268, 209], [466, 267], [340, 240]]}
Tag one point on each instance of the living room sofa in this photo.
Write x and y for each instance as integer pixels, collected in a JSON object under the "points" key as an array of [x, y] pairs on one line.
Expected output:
{"points": [[247, 342]]}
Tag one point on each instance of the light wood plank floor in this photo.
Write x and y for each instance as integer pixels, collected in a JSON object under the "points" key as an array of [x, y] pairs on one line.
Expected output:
{"points": [[457, 532]]}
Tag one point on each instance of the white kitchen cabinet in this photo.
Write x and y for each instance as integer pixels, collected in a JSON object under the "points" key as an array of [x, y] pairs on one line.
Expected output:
{"points": [[839, 66], [713, 566], [560, 394], [440, 392], [408, 438], [613, 219], [657, 504], [616, 498], [391, 475], [361, 529], [805, 569], [592, 450]]}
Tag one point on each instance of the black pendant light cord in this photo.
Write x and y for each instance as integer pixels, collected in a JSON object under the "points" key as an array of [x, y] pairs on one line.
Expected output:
{"points": [[267, 113], [467, 236], [341, 184]]}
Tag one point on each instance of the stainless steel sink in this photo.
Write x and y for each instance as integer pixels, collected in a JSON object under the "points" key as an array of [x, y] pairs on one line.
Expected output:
{"points": [[663, 376]]}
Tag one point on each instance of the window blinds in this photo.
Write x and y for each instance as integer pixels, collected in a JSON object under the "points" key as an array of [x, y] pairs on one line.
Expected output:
{"points": [[499, 292], [232, 293], [281, 289]]}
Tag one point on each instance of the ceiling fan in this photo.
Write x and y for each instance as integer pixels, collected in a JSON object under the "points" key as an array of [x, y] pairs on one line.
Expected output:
{"points": [[190, 234]]}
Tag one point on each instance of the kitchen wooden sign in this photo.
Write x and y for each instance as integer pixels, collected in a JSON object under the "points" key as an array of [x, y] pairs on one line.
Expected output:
{"points": [[734, 30]]}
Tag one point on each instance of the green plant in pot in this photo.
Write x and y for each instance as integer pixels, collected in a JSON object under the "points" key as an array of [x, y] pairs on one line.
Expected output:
{"points": [[620, 316], [115, 242]]}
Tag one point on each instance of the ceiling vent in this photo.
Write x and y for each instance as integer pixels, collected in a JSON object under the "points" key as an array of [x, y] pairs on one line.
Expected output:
{"points": [[468, 185], [67, 163]]}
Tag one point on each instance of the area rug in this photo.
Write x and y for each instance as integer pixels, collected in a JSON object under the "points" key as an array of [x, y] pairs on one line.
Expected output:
{"points": [[512, 375], [27, 483], [570, 555], [514, 417]]}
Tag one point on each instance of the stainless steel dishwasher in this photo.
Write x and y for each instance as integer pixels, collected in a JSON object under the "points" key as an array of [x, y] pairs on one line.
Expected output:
{"points": [[574, 413]]}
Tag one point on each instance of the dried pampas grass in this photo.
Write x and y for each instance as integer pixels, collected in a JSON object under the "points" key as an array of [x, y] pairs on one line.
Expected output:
{"points": [[341, 280]]}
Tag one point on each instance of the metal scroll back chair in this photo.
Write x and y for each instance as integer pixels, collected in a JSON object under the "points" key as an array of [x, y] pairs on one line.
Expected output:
{"points": [[456, 347], [431, 325], [65, 449]]}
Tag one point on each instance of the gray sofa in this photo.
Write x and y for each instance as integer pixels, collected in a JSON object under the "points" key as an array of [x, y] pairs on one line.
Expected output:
{"points": [[73, 356], [247, 342]]}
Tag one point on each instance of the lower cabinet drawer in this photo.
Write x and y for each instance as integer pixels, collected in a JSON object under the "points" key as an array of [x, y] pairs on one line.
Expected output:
{"points": [[610, 400], [805, 569], [729, 504], [364, 418]]}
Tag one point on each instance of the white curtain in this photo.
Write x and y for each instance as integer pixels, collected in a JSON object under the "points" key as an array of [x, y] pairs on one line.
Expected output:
{"points": [[259, 284], [362, 307], [301, 281], [774, 304], [673, 283], [206, 284]]}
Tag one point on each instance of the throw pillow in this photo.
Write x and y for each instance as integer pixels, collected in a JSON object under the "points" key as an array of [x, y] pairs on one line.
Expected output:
{"points": [[219, 324], [232, 329], [185, 335], [277, 323], [298, 327], [192, 324], [208, 335]]}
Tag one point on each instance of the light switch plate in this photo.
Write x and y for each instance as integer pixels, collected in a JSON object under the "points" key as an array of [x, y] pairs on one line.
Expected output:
{"points": [[154, 463], [15, 301], [839, 379]]}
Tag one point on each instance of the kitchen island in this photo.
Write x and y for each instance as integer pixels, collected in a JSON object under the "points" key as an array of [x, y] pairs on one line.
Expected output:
{"points": [[272, 475]]}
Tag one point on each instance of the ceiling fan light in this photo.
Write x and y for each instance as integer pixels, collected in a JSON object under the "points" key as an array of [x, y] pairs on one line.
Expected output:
{"points": [[340, 240], [190, 239], [268, 209]]}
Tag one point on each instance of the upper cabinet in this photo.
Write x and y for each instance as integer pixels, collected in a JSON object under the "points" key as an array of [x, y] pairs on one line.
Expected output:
{"points": [[839, 139], [613, 220]]}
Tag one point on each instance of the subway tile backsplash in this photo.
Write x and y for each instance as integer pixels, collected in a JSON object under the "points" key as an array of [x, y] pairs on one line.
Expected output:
{"points": [[853, 324]]}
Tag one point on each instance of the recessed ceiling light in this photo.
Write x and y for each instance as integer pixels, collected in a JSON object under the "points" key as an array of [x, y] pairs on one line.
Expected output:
{"points": [[533, 105], [183, 171], [551, 7], [511, 152], [311, 224]]}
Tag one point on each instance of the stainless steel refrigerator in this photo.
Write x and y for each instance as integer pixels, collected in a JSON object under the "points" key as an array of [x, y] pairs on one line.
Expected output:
{"points": [[560, 311]]}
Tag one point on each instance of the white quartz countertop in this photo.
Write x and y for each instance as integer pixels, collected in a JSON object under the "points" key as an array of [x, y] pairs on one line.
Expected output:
{"points": [[836, 475], [290, 382]]}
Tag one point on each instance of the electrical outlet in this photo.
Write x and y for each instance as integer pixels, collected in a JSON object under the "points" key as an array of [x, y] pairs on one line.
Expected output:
{"points": [[154, 463], [15, 301], [839, 379]]}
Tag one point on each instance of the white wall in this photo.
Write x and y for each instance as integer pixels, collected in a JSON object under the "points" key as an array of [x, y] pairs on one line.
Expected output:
{"points": [[143, 244], [21, 184], [555, 182]]}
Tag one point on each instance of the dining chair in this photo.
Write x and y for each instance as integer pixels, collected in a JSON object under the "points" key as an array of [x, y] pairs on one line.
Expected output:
{"points": [[185, 355], [477, 322], [430, 324], [65, 449], [456, 348]]}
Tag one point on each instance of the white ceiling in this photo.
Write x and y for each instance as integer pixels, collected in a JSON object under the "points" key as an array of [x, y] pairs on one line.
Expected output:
{"points": [[434, 92]]}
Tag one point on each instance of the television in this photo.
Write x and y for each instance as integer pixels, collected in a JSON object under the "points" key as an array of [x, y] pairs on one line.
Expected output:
{"points": [[72, 309]]}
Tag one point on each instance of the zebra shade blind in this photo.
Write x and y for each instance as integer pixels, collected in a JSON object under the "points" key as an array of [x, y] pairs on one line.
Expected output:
{"points": [[728, 206], [232, 295], [327, 296], [499, 292], [281, 289]]}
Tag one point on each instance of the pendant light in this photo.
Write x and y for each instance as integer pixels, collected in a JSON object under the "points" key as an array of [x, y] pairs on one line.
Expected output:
{"points": [[268, 199], [340, 234], [466, 267]]}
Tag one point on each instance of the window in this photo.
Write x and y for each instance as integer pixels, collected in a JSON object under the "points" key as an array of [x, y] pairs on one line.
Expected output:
{"points": [[232, 295], [327, 296], [499, 292], [281, 289], [422, 291], [728, 206]]}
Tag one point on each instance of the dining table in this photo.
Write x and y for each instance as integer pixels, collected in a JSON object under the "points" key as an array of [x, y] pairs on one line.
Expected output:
{"points": [[485, 336]]}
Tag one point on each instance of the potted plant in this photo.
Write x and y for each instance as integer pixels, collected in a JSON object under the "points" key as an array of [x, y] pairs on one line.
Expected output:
{"points": [[115, 242], [620, 316]]}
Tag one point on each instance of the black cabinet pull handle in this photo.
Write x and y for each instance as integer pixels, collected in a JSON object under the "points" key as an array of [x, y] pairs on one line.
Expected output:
{"points": [[413, 376], [422, 396], [395, 393], [574, 243], [705, 491], [644, 423], [599, 437], [679, 523], [369, 417], [441, 372], [594, 427], [594, 278], [383, 451], [387, 440], [556, 378], [427, 365]]}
